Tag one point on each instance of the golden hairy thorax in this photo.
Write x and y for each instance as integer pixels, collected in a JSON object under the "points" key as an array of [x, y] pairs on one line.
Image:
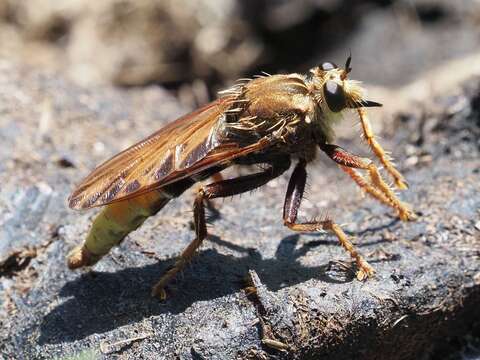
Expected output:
{"points": [[290, 108], [268, 104], [277, 107]]}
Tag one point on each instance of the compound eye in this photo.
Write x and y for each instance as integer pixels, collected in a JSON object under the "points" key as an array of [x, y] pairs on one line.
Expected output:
{"points": [[326, 66], [334, 96]]}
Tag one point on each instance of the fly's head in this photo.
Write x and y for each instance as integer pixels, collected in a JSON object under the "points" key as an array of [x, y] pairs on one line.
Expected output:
{"points": [[334, 92]]}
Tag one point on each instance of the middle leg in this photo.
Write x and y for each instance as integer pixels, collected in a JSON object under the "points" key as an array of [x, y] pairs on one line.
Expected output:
{"points": [[293, 199], [211, 207]]}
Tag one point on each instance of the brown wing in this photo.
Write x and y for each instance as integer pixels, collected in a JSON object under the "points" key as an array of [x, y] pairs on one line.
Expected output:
{"points": [[183, 148]]}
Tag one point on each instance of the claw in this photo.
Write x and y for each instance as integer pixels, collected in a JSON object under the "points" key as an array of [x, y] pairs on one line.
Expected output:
{"points": [[365, 272], [159, 293], [401, 184], [408, 215], [405, 213]]}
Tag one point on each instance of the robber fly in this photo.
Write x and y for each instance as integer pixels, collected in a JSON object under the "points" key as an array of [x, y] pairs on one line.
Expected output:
{"points": [[267, 120]]}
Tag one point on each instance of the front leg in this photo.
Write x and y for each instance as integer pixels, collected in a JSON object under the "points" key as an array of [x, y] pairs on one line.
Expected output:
{"points": [[377, 149], [378, 188], [293, 199]]}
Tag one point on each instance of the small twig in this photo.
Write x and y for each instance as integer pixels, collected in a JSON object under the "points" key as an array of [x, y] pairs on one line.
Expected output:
{"points": [[119, 345], [399, 320], [275, 344], [384, 298]]}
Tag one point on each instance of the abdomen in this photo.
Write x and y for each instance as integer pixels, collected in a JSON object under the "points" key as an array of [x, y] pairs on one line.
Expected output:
{"points": [[118, 219]]}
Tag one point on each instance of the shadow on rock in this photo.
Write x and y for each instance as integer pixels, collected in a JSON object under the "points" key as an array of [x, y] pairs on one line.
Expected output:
{"points": [[99, 301]]}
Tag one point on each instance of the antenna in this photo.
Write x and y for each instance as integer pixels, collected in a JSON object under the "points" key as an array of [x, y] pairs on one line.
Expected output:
{"points": [[348, 62]]}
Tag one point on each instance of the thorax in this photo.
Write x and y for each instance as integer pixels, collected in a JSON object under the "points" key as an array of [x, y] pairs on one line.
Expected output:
{"points": [[280, 108]]}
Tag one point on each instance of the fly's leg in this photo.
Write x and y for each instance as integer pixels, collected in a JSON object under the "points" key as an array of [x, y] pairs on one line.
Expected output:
{"points": [[217, 177], [224, 188], [293, 199], [366, 186], [215, 214], [377, 149], [378, 188]]}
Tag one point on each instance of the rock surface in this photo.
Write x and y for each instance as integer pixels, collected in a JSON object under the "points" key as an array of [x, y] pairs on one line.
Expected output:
{"points": [[423, 299]]}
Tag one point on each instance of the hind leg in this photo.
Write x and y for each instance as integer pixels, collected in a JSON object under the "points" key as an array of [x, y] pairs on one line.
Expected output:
{"points": [[224, 188]]}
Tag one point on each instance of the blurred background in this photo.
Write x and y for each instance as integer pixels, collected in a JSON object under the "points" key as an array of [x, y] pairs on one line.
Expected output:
{"points": [[197, 47]]}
